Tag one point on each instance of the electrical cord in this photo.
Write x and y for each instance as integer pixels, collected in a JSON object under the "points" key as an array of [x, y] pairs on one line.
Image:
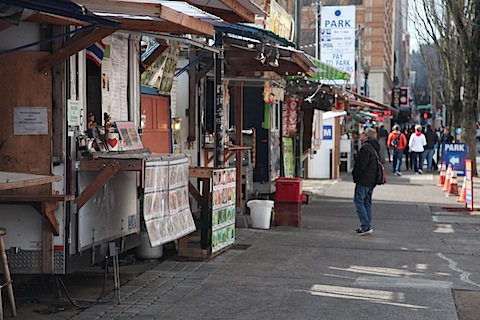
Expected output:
{"points": [[98, 300]]}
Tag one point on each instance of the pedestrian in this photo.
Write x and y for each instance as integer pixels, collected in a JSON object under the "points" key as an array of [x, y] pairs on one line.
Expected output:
{"points": [[408, 156], [417, 143], [440, 135], [447, 136], [364, 176], [397, 142], [382, 139], [429, 148]]}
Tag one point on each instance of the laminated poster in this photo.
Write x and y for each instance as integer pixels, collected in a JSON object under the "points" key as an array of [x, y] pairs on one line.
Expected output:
{"points": [[223, 213], [166, 209]]}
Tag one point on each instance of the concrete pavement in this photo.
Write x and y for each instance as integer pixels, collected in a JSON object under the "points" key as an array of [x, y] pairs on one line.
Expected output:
{"points": [[421, 256]]}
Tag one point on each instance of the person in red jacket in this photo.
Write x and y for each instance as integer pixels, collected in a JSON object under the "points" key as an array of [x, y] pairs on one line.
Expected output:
{"points": [[397, 142]]}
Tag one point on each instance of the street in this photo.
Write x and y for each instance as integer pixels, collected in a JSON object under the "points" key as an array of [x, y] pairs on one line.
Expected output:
{"points": [[421, 262]]}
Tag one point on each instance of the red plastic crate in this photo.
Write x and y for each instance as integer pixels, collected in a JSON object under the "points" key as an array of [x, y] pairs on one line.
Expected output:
{"points": [[288, 190]]}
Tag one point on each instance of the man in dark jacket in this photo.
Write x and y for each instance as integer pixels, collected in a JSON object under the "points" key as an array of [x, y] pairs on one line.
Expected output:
{"points": [[429, 148], [364, 176]]}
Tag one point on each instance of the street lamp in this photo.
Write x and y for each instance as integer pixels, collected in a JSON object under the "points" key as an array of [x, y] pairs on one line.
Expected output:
{"points": [[366, 72]]}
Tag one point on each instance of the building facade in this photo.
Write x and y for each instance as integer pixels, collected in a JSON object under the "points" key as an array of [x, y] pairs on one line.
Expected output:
{"points": [[382, 46]]}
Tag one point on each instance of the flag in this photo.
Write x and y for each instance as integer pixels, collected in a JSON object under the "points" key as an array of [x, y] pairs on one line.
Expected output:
{"points": [[95, 52]]}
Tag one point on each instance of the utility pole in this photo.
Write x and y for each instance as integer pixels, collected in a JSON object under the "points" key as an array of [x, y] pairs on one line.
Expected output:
{"points": [[298, 22], [318, 29], [359, 57]]}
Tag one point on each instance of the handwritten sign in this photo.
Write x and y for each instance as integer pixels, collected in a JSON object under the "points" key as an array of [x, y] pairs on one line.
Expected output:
{"points": [[74, 111]]}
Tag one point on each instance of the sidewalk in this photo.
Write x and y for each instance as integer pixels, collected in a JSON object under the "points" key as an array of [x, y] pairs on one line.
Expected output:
{"points": [[420, 261]]}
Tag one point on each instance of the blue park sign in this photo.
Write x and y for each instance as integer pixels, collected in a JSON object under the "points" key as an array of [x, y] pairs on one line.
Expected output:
{"points": [[455, 154]]}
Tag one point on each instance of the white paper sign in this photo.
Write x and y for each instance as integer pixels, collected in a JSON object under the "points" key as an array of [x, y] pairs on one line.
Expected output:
{"points": [[73, 109], [30, 121]]}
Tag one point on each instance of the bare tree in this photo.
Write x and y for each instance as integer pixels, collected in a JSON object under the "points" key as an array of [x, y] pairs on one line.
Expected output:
{"points": [[452, 27]]}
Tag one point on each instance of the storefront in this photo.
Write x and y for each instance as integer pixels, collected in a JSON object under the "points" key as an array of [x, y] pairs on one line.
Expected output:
{"points": [[81, 122]]}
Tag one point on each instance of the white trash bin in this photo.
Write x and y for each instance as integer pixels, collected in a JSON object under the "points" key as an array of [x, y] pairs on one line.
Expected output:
{"points": [[260, 213]]}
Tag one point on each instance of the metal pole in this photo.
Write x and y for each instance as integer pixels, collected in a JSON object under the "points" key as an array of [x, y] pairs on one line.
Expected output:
{"points": [[317, 29], [218, 85], [359, 57], [298, 22]]}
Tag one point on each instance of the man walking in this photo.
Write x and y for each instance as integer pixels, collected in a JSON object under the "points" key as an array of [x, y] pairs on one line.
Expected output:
{"points": [[364, 176], [429, 149], [397, 142], [416, 144], [382, 139]]}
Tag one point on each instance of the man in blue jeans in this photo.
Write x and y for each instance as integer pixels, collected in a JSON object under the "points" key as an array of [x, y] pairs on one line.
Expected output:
{"points": [[364, 176], [397, 142], [429, 149]]}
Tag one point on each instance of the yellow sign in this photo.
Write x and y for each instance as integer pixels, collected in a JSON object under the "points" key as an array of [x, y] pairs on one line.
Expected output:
{"points": [[281, 23]]}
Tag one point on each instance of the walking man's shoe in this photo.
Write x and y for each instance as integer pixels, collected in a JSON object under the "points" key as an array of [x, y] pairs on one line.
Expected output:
{"points": [[362, 232]]}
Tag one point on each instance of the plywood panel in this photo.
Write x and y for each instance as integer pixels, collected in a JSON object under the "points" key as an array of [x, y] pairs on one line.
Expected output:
{"points": [[156, 134], [23, 86]]}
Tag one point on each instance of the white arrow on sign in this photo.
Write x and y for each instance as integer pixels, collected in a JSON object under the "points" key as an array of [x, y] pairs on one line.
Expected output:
{"points": [[454, 160]]}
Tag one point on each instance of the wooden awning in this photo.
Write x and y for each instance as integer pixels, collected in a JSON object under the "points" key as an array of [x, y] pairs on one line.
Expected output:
{"points": [[171, 17], [231, 10], [362, 102], [154, 16]]}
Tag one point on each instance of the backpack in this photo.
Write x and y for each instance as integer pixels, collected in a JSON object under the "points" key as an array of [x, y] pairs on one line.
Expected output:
{"points": [[395, 142], [380, 173]]}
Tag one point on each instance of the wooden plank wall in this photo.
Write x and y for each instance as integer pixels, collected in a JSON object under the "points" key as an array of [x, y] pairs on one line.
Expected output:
{"points": [[23, 86]]}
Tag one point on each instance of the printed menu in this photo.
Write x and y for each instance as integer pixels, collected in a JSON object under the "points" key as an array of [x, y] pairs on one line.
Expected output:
{"points": [[166, 208], [223, 208]]}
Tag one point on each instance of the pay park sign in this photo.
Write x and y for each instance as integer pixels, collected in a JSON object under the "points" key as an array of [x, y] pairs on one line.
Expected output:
{"points": [[455, 154], [338, 38]]}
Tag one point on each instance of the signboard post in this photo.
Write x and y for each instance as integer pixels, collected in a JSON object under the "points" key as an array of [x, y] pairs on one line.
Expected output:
{"points": [[469, 184]]}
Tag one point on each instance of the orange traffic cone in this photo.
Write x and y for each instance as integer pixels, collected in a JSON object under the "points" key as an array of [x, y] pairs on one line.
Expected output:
{"points": [[453, 190], [441, 178], [463, 193], [448, 179]]}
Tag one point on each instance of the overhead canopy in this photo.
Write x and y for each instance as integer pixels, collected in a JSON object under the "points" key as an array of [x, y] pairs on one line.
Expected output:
{"points": [[255, 33], [107, 16], [174, 17], [231, 10], [362, 102], [241, 61], [15, 11], [244, 44]]}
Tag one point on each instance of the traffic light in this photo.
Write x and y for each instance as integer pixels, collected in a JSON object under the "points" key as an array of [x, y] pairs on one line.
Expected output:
{"points": [[403, 97], [427, 115]]}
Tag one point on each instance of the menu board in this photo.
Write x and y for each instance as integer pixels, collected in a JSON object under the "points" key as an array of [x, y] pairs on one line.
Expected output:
{"points": [[223, 208], [166, 208]]}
